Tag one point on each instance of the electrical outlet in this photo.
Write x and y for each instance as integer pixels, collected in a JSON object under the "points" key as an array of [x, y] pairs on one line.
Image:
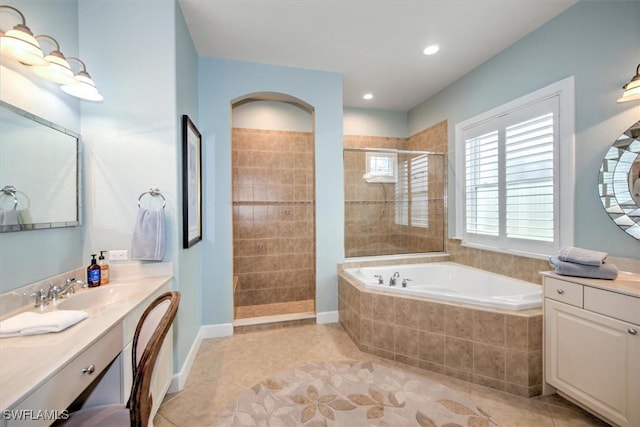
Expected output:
{"points": [[119, 255]]}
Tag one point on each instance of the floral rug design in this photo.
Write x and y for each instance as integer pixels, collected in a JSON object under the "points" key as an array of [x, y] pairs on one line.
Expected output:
{"points": [[350, 394]]}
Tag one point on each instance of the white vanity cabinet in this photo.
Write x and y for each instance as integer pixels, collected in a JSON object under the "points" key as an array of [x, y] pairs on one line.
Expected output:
{"points": [[592, 346]]}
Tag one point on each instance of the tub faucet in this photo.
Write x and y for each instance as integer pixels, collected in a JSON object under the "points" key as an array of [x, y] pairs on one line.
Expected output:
{"points": [[404, 282], [393, 280], [379, 277]]}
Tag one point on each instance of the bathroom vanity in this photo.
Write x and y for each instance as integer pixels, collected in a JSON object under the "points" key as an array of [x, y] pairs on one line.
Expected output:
{"points": [[592, 344], [92, 358]]}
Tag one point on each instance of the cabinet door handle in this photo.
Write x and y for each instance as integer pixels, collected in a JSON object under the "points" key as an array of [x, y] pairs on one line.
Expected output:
{"points": [[561, 291], [88, 370], [633, 331]]}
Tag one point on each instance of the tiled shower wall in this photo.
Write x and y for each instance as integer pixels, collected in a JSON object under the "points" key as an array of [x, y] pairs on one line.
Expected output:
{"points": [[273, 216], [370, 227]]}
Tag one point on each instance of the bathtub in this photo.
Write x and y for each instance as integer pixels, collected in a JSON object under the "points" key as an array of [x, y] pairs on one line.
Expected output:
{"points": [[453, 282]]}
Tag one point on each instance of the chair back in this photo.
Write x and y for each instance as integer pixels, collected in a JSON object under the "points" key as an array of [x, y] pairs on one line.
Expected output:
{"points": [[147, 341]]}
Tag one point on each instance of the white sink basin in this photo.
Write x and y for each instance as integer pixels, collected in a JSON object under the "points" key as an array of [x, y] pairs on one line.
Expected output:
{"points": [[99, 297]]}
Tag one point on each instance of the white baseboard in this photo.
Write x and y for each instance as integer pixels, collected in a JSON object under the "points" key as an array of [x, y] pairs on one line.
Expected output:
{"points": [[327, 317], [206, 331]]}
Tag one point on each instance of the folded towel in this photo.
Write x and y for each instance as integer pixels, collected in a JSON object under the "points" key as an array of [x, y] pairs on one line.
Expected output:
{"points": [[9, 217], [581, 256], [31, 323], [148, 242], [604, 271]]}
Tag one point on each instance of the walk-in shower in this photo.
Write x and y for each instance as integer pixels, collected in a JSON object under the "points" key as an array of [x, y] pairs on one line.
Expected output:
{"points": [[394, 201]]}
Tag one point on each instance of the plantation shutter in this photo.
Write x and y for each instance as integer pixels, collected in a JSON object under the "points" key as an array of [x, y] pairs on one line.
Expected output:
{"points": [[402, 195], [510, 179], [419, 191]]}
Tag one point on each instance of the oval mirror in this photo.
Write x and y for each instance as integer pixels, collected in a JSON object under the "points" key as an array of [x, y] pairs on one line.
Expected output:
{"points": [[619, 181]]}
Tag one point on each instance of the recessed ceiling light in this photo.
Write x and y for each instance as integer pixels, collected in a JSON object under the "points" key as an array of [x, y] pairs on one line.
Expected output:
{"points": [[431, 49], [368, 96]]}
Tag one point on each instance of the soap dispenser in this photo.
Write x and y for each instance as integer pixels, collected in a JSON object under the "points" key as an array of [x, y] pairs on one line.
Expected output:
{"points": [[93, 273], [104, 269]]}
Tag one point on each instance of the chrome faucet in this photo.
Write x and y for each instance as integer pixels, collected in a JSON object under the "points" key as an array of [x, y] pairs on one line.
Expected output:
{"points": [[393, 280], [379, 277], [404, 282], [56, 292]]}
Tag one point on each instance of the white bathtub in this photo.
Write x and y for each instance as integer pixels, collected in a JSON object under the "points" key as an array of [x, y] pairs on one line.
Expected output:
{"points": [[453, 282]]}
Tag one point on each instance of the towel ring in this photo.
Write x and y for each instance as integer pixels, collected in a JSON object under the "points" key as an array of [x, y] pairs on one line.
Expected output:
{"points": [[10, 190], [154, 192]]}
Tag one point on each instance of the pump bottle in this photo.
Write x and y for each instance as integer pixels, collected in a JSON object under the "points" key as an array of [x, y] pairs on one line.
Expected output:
{"points": [[104, 269], [93, 273]]}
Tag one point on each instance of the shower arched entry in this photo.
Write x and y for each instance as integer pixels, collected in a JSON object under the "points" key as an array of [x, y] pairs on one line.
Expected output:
{"points": [[273, 198]]}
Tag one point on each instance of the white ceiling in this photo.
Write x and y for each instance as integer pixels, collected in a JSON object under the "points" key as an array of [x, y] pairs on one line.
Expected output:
{"points": [[375, 44]]}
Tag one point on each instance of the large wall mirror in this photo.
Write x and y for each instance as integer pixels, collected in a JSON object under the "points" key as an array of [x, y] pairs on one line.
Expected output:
{"points": [[619, 181], [39, 172]]}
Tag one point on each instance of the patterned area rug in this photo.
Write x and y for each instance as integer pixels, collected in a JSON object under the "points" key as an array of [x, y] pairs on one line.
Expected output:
{"points": [[350, 394]]}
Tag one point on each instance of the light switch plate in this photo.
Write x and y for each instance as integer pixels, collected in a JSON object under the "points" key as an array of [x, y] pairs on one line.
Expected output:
{"points": [[119, 255]]}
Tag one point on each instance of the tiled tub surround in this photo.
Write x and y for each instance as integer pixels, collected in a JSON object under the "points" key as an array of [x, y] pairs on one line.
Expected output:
{"points": [[370, 220], [273, 216], [495, 348]]}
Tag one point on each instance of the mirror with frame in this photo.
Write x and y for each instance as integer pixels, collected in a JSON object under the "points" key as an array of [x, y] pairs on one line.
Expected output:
{"points": [[619, 181], [39, 172]]}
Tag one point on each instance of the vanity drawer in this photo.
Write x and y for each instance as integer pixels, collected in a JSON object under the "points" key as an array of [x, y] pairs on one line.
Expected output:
{"points": [[62, 389], [612, 304], [567, 292]]}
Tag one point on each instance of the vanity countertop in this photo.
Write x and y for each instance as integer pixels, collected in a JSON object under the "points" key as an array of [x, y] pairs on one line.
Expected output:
{"points": [[625, 283], [28, 362]]}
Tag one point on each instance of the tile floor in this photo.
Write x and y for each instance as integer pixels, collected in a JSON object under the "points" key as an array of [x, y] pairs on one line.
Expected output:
{"points": [[224, 367]]}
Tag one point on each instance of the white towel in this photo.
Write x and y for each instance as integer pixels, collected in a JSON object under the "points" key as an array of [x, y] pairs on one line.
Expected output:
{"points": [[148, 241], [31, 323], [9, 217]]}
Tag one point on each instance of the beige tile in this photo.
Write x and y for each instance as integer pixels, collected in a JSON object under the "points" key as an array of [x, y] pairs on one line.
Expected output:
{"points": [[535, 332], [517, 367], [431, 316], [407, 312], [517, 332], [489, 361], [458, 354], [383, 307], [489, 327], [432, 347], [406, 341], [384, 336], [458, 321], [535, 367], [366, 305]]}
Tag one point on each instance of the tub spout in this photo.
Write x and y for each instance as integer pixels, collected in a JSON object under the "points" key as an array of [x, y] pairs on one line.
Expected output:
{"points": [[393, 280]]}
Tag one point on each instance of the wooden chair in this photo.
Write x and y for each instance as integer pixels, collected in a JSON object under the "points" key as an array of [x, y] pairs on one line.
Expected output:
{"points": [[147, 341]]}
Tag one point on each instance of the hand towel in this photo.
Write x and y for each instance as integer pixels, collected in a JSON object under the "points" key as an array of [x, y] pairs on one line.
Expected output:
{"points": [[148, 242], [604, 271], [9, 217], [581, 256], [31, 323]]}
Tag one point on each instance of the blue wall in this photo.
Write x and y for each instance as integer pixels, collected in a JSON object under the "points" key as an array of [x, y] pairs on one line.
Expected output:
{"points": [[29, 256], [598, 43], [220, 83], [188, 267]]}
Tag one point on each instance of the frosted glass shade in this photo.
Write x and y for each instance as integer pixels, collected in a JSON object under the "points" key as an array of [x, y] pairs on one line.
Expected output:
{"points": [[83, 88], [58, 70], [631, 91], [19, 44]]}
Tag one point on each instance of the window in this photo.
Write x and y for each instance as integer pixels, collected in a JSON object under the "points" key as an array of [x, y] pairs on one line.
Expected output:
{"points": [[412, 203], [516, 185], [381, 167]]}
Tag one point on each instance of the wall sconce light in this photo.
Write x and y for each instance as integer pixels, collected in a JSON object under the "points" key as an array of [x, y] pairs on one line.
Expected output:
{"points": [[19, 43], [83, 87], [58, 69], [632, 89]]}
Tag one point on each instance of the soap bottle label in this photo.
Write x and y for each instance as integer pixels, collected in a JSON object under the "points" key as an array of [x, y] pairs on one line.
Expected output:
{"points": [[94, 277], [104, 274]]}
